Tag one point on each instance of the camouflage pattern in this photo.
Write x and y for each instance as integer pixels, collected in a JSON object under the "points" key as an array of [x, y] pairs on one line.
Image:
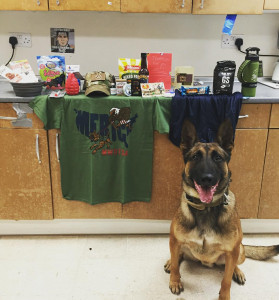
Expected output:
{"points": [[102, 85]]}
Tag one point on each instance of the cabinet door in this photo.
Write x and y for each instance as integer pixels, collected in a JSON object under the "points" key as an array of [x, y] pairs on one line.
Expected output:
{"points": [[271, 4], [97, 5], [157, 6], [274, 117], [25, 190], [254, 116], [166, 183], [269, 208], [24, 5], [219, 7], [247, 167], [68, 209]]}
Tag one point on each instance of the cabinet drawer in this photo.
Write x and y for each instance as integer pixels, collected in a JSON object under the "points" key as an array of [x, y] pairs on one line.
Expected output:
{"points": [[271, 4], [8, 115], [258, 116], [274, 117]]}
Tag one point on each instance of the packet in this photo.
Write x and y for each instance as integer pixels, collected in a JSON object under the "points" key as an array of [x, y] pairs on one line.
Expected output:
{"points": [[223, 77], [10, 74], [52, 69], [128, 68], [23, 68]]}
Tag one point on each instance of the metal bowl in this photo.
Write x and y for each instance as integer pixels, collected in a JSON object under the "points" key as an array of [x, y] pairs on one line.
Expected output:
{"points": [[27, 89]]}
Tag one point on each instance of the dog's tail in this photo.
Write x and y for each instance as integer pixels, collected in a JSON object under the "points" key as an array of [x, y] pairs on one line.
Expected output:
{"points": [[261, 252]]}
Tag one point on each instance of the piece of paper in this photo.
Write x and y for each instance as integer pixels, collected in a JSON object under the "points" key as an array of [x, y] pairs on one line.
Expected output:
{"points": [[159, 67]]}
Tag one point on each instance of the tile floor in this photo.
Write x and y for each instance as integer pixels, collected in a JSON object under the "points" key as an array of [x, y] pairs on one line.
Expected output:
{"points": [[127, 267]]}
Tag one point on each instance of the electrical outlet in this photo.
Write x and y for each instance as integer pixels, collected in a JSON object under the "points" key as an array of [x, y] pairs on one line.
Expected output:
{"points": [[228, 41], [24, 39]]}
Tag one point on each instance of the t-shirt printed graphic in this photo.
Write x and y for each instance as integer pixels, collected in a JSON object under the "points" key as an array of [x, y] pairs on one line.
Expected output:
{"points": [[106, 144], [104, 129]]}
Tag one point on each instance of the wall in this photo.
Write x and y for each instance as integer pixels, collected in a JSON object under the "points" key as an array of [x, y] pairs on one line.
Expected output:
{"points": [[102, 37]]}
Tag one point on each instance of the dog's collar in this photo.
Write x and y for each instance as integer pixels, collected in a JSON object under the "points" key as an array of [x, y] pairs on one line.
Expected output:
{"points": [[223, 200]]}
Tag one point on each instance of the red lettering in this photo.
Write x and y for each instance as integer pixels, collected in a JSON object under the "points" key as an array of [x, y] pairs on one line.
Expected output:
{"points": [[51, 73]]}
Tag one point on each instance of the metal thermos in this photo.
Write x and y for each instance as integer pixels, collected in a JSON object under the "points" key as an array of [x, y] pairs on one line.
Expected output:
{"points": [[248, 72]]}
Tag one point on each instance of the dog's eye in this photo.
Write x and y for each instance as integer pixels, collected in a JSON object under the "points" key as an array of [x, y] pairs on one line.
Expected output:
{"points": [[217, 158], [196, 156]]}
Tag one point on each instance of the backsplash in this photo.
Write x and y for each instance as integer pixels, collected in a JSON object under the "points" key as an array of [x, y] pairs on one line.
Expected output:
{"points": [[103, 37]]}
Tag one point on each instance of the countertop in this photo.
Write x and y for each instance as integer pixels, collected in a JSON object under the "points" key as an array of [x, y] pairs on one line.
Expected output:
{"points": [[264, 94]]}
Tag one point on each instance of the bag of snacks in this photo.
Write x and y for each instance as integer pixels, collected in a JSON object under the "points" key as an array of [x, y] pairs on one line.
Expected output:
{"points": [[128, 68], [52, 70]]}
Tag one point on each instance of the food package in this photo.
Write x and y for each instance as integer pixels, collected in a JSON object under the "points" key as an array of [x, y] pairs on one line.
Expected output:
{"points": [[23, 68], [10, 74], [128, 68], [52, 70], [184, 76], [155, 89]]}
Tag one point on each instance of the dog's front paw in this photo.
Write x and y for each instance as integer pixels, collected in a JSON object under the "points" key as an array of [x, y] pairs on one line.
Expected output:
{"points": [[238, 276], [176, 287]]}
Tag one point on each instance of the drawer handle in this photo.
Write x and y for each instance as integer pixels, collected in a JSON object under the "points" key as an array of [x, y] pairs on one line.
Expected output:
{"points": [[244, 116], [201, 6], [37, 148], [8, 118], [57, 2], [183, 4], [38, 3], [57, 147]]}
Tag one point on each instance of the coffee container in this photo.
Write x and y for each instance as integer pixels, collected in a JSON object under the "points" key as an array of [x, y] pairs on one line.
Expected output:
{"points": [[223, 77]]}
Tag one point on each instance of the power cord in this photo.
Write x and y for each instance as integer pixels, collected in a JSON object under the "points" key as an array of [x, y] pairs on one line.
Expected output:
{"points": [[239, 42], [13, 41]]}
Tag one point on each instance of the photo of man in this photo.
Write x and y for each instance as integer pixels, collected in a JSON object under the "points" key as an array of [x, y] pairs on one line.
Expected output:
{"points": [[62, 40]]}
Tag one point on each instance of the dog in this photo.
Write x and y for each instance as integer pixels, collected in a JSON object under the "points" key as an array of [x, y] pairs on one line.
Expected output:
{"points": [[206, 226]]}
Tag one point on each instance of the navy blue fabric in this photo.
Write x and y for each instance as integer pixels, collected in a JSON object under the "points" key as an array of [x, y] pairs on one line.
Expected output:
{"points": [[206, 112]]}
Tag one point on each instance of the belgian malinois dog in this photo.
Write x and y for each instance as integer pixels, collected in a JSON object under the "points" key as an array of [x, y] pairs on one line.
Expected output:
{"points": [[206, 227]]}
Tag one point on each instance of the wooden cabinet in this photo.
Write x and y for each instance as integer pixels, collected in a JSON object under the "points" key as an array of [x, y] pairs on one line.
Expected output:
{"points": [[217, 7], [96, 5], [24, 5], [247, 167], [271, 4], [68, 209], [269, 207], [25, 190], [157, 6], [166, 183], [274, 117]]}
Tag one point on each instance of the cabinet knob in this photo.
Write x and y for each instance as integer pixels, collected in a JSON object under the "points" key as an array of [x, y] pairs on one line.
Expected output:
{"points": [[57, 2], [183, 4], [201, 6], [38, 3]]}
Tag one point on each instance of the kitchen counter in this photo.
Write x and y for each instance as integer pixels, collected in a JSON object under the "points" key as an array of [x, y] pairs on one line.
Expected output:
{"points": [[264, 94]]}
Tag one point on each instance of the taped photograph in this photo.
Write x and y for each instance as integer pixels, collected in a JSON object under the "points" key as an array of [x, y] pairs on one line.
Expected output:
{"points": [[62, 40]]}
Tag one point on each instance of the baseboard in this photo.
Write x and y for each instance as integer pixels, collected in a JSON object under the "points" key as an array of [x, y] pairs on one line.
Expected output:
{"points": [[114, 226]]}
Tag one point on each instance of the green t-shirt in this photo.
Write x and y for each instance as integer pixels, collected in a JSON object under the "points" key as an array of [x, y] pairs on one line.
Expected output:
{"points": [[106, 144]]}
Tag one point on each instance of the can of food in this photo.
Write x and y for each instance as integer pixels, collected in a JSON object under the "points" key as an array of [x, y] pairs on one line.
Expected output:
{"points": [[119, 86], [135, 87]]}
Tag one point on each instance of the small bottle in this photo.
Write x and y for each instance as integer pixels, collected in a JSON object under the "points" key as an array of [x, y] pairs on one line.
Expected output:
{"points": [[143, 72], [113, 86]]}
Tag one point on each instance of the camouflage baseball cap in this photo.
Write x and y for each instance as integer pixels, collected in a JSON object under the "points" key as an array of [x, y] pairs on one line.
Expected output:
{"points": [[97, 83]]}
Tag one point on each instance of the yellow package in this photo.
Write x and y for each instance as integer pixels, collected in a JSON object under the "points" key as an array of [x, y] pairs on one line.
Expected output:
{"points": [[128, 68]]}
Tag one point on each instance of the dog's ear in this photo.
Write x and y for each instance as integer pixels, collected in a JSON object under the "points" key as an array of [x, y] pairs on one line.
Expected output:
{"points": [[225, 136], [188, 136]]}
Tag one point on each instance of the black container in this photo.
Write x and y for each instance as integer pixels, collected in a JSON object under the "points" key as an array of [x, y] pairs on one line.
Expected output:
{"points": [[223, 77], [31, 89]]}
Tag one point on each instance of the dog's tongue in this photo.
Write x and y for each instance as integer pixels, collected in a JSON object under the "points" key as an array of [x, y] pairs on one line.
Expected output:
{"points": [[206, 193]]}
